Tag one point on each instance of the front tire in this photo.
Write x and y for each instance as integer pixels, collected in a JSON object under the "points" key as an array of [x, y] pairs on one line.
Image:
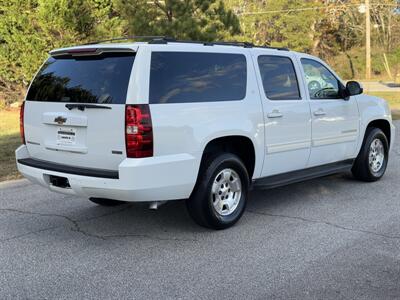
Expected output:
{"points": [[220, 195], [371, 162]]}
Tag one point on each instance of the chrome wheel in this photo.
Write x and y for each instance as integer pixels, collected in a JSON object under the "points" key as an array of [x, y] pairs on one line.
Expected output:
{"points": [[376, 155], [226, 192]]}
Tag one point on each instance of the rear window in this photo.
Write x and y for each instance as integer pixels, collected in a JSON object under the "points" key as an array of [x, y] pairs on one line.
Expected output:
{"points": [[178, 77], [90, 79]]}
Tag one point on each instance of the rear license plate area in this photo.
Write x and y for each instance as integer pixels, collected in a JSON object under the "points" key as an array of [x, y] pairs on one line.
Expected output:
{"points": [[58, 181], [66, 136]]}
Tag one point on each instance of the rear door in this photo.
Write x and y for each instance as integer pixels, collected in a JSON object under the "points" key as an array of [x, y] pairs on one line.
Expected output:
{"points": [[75, 108], [286, 112]]}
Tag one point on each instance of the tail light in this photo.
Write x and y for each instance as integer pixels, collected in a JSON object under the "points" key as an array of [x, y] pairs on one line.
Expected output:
{"points": [[21, 122], [138, 131]]}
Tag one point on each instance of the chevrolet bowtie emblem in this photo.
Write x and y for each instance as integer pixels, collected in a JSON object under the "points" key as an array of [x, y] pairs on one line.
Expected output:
{"points": [[60, 120]]}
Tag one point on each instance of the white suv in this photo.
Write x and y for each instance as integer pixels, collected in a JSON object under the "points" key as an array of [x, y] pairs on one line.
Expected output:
{"points": [[165, 119]]}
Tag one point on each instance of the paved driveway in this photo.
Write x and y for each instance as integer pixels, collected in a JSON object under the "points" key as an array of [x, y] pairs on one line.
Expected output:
{"points": [[375, 86], [330, 238]]}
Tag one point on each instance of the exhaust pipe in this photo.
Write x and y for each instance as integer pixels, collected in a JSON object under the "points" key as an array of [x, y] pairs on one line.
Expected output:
{"points": [[156, 204]]}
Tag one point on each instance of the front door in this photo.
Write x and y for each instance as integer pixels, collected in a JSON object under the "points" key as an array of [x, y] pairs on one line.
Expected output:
{"points": [[287, 118], [335, 120]]}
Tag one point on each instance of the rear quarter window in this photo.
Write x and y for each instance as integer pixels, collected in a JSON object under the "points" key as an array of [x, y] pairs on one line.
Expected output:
{"points": [[91, 79], [180, 77]]}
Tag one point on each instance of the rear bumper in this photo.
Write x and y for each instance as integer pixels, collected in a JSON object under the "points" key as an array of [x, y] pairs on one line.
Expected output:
{"points": [[149, 179], [49, 166]]}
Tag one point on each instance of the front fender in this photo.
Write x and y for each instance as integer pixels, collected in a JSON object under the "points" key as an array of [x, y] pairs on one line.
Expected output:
{"points": [[372, 108]]}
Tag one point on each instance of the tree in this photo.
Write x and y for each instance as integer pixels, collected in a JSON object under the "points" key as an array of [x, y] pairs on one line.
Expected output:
{"points": [[276, 23], [108, 23], [31, 28], [386, 22], [21, 46], [331, 29], [188, 19]]}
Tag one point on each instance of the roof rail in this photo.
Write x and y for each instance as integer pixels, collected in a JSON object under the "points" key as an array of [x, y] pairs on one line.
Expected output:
{"points": [[230, 43], [131, 37], [154, 39], [276, 48], [165, 40]]}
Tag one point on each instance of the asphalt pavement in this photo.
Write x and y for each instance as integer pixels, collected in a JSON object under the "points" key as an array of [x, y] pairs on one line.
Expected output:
{"points": [[330, 238]]}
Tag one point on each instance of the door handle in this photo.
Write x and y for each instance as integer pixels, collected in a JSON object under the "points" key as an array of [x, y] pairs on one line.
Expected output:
{"points": [[319, 112], [275, 114]]}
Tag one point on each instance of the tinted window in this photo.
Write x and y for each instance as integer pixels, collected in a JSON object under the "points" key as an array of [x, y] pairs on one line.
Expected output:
{"points": [[321, 83], [278, 78], [178, 77], [97, 79]]}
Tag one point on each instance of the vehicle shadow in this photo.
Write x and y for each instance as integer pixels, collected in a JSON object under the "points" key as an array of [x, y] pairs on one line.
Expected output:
{"points": [[310, 190], [172, 221]]}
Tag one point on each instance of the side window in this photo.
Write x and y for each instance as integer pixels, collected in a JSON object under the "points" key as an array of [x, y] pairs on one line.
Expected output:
{"points": [[278, 78], [179, 77], [321, 83]]}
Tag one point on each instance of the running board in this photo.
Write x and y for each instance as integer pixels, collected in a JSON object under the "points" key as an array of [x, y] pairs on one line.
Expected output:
{"points": [[303, 175]]}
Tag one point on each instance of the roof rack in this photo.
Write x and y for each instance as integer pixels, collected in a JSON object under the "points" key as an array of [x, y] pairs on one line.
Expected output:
{"points": [[147, 38], [247, 45], [220, 43], [151, 39], [276, 48], [165, 40]]}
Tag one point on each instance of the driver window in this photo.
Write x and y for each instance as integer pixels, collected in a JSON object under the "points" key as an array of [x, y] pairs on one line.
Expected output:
{"points": [[321, 83]]}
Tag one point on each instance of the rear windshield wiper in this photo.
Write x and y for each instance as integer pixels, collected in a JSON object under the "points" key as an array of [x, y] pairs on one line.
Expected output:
{"points": [[82, 107]]}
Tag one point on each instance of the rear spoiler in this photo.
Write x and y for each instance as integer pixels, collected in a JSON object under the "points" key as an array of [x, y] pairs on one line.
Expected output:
{"points": [[88, 51]]}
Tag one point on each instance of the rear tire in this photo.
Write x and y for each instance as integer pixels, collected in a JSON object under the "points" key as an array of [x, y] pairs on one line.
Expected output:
{"points": [[106, 202], [220, 195], [371, 162]]}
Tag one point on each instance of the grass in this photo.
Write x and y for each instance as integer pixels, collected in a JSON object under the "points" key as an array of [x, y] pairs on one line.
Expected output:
{"points": [[9, 141], [394, 101]]}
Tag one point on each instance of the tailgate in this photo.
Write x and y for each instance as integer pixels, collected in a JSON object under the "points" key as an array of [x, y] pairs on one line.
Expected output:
{"points": [[75, 109]]}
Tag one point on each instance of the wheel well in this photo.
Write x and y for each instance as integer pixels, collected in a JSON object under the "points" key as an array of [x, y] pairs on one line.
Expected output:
{"points": [[383, 125], [239, 145]]}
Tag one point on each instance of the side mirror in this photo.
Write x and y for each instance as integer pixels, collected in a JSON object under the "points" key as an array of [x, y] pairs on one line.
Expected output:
{"points": [[353, 88]]}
